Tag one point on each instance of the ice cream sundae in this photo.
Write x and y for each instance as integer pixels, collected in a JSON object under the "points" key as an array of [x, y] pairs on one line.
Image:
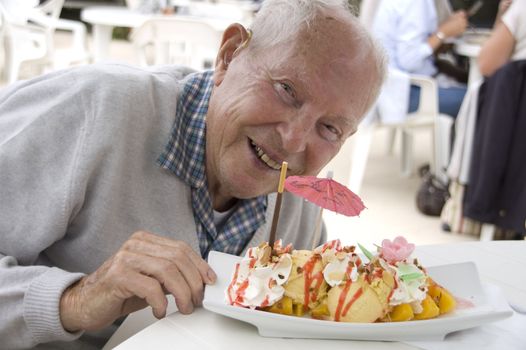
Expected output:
{"points": [[332, 282]]}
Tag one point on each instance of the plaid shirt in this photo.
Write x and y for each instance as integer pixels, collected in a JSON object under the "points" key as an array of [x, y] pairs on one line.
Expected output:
{"points": [[185, 157]]}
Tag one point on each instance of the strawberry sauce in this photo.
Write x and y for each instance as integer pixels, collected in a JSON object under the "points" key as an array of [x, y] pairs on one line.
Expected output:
{"points": [[355, 297], [231, 286], [310, 279], [341, 300]]}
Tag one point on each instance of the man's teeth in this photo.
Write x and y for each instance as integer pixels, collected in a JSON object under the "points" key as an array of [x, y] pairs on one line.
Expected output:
{"points": [[265, 158]]}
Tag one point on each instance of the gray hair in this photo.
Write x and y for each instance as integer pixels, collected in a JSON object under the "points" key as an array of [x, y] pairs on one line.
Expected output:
{"points": [[280, 21]]}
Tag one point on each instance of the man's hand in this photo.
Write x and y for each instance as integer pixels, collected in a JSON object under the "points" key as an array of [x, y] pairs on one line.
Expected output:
{"points": [[504, 5], [455, 25], [144, 269]]}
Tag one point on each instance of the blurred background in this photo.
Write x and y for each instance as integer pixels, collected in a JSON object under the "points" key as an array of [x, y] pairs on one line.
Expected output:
{"points": [[389, 165]]}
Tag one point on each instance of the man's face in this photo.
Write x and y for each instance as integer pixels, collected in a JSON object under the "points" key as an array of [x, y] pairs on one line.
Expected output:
{"points": [[296, 103]]}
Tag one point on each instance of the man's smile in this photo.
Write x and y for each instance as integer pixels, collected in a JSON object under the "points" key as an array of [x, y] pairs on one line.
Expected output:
{"points": [[265, 158]]}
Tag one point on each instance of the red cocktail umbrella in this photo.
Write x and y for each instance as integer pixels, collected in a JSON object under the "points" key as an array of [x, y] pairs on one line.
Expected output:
{"points": [[326, 193]]}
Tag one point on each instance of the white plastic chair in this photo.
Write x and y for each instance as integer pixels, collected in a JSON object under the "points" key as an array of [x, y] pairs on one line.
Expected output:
{"points": [[2, 43], [23, 42], [78, 51], [425, 117], [33, 42], [220, 10], [189, 42]]}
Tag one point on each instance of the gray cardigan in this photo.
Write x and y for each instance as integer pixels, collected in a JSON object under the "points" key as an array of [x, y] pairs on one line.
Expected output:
{"points": [[78, 175]]}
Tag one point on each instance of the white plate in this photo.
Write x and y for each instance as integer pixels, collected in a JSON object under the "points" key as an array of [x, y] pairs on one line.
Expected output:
{"points": [[461, 279]]}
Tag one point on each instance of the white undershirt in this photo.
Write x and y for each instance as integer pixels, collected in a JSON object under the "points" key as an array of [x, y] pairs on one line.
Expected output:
{"points": [[515, 20]]}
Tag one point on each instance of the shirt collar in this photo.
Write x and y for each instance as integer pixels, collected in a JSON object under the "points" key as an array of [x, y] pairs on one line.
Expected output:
{"points": [[184, 154]]}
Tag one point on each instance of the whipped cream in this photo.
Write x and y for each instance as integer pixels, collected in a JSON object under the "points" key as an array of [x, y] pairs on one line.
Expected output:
{"points": [[339, 270], [411, 284], [258, 278], [339, 264]]}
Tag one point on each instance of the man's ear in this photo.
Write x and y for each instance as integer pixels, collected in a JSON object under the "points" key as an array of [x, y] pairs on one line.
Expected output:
{"points": [[235, 38]]}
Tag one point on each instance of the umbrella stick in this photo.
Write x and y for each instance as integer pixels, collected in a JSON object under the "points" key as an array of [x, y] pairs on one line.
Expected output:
{"points": [[317, 228], [277, 208]]}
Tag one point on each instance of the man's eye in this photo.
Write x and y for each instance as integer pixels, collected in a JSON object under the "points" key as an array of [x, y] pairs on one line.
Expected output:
{"points": [[330, 133], [332, 129], [288, 89]]}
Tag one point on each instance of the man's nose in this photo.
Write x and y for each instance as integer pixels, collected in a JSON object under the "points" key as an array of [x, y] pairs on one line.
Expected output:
{"points": [[295, 134]]}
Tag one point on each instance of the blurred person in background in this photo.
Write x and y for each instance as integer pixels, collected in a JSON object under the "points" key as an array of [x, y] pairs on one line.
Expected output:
{"points": [[414, 33], [508, 38], [496, 186]]}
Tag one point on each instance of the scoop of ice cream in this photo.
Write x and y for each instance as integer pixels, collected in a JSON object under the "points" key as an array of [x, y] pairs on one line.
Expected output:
{"points": [[258, 278], [363, 300], [383, 283], [306, 284]]}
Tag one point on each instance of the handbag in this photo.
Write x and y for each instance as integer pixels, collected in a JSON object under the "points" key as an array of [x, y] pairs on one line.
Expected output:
{"points": [[431, 196]]}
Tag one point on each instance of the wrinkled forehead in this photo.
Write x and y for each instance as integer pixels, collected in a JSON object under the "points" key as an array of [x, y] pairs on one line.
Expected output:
{"points": [[339, 43], [335, 53]]}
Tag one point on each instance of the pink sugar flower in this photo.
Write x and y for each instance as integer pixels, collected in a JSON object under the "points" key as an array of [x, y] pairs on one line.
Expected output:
{"points": [[397, 250]]}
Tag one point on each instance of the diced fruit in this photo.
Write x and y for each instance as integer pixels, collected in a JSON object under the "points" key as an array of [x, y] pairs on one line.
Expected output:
{"points": [[402, 312], [434, 292], [445, 301], [430, 309], [298, 309], [320, 311], [284, 307]]}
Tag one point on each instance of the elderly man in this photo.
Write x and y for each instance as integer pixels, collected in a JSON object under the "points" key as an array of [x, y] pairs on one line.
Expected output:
{"points": [[117, 181]]}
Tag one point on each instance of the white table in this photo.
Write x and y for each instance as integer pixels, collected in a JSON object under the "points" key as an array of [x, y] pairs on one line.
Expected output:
{"points": [[105, 18], [469, 45], [501, 263]]}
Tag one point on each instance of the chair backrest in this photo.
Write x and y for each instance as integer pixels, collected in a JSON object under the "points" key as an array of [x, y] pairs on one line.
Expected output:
{"points": [[3, 42], [189, 42], [2, 22], [367, 12], [226, 11], [46, 16], [51, 8], [29, 34]]}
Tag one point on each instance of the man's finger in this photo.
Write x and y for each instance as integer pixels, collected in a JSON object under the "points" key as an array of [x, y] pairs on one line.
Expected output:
{"points": [[208, 275], [150, 290], [167, 273], [194, 281], [140, 241]]}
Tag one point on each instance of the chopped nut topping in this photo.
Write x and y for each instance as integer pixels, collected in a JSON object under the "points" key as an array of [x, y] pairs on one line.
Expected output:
{"points": [[349, 249], [265, 254]]}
